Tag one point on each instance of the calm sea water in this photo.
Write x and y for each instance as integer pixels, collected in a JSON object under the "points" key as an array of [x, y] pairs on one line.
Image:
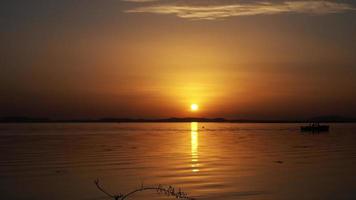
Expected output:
{"points": [[207, 160]]}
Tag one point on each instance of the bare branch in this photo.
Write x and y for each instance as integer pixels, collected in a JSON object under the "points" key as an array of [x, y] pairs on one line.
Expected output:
{"points": [[116, 197], [168, 191]]}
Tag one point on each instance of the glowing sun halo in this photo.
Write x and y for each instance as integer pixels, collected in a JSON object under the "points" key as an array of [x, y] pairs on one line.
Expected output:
{"points": [[194, 107]]}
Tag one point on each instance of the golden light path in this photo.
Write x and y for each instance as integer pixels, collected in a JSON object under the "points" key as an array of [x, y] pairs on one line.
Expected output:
{"points": [[194, 146]]}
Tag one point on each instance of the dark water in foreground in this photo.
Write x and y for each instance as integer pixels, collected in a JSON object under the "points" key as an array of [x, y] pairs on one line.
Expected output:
{"points": [[220, 161]]}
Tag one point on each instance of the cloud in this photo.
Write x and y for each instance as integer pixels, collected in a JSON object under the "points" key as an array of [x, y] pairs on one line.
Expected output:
{"points": [[140, 1], [216, 11]]}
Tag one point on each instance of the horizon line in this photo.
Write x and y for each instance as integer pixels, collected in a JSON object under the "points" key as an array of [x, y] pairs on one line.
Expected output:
{"points": [[22, 119]]}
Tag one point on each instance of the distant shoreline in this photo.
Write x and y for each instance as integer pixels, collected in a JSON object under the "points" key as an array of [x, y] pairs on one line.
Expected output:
{"points": [[173, 120]]}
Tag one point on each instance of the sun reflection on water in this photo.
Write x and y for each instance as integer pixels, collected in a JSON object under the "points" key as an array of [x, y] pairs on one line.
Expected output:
{"points": [[194, 148]]}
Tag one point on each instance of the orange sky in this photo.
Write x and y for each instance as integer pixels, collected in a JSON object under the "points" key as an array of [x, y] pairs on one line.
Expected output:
{"points": [[125, 59]]}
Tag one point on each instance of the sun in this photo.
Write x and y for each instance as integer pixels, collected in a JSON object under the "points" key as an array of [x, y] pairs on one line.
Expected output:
{"points": [[194, 107]]}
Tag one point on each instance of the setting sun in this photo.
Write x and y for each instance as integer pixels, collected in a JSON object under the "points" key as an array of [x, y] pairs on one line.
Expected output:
{"points": [[194, 107]]}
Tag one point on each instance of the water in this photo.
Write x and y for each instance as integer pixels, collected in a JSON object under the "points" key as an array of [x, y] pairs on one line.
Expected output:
{"points": [[207, 160]]}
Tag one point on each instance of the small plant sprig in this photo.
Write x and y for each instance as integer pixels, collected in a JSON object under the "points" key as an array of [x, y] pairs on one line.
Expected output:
{"points": [[168, 191]]}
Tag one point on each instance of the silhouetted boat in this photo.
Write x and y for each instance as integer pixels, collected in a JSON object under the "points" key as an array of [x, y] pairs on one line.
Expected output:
{"points": [[314, 127]]}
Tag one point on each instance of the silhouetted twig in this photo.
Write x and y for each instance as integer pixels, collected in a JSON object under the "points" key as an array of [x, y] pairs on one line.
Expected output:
{"points": [[168, 191]]}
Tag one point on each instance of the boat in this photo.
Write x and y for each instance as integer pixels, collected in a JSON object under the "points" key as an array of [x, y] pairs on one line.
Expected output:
{"points": [[315, 127]]}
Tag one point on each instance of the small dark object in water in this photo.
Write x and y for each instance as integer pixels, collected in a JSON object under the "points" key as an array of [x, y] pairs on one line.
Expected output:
{"points": [[60, 171], [314, 127], [278, 161], [301, 146]]}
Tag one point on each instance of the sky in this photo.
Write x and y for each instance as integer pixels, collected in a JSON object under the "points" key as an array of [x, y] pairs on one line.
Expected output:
{"points": [[154, 58]]}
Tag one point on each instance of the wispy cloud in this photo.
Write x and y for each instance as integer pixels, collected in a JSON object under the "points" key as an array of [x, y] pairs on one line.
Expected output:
{"points": [[140, 1], [218, 11]]}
